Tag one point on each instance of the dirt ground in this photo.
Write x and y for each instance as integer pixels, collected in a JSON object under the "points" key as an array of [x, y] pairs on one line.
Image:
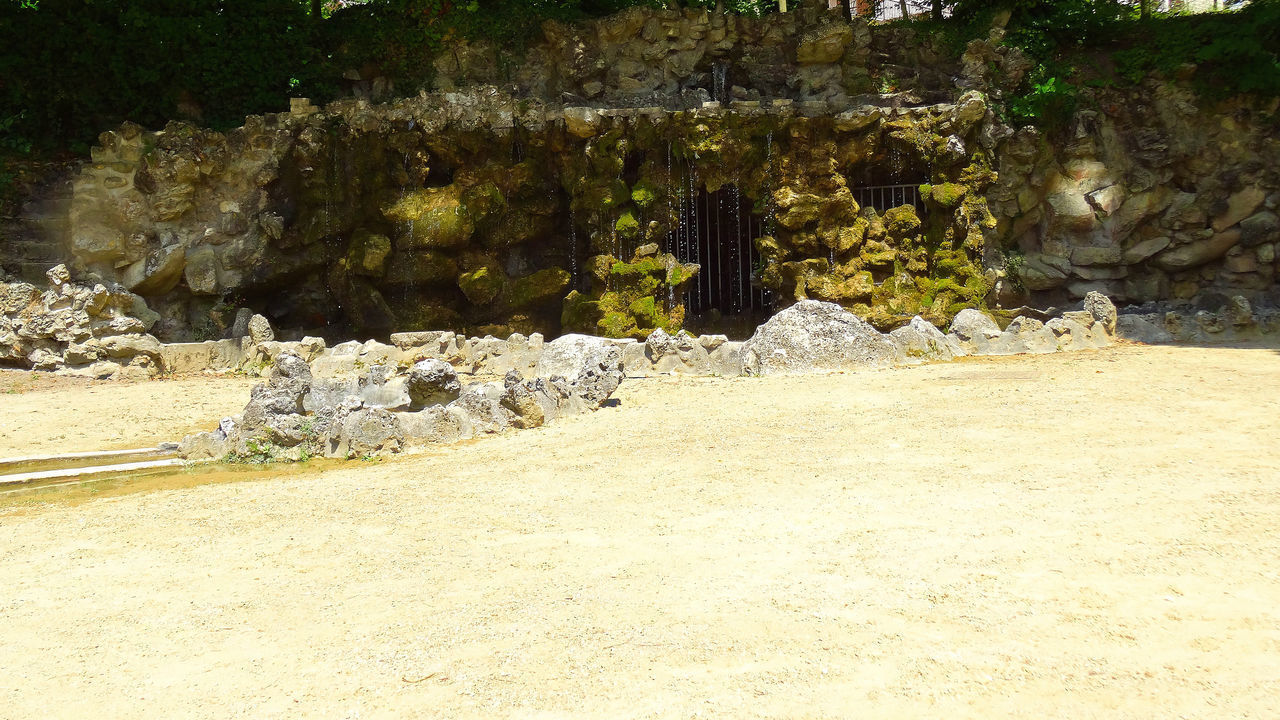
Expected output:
{"points": [[44, 414], [1066, 536]]}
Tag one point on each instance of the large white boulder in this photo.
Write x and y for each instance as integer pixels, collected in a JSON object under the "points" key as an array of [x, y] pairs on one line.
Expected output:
{"points": [[813, 336]]}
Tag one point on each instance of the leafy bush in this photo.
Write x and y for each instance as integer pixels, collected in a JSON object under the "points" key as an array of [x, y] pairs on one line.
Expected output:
{"points": [[73, 67], [1235, 52], [1050, 102]]}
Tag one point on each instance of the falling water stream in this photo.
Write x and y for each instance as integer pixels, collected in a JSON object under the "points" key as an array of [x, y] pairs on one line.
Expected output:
{"points": [[719, 82]]}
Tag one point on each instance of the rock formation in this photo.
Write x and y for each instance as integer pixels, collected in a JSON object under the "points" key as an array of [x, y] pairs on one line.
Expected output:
{"points": [[640, 169], [72, 329], [294, 414]]}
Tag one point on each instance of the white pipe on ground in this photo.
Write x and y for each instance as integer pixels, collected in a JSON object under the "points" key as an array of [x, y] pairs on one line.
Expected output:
{"points": [[117, 469], [84, 455]]}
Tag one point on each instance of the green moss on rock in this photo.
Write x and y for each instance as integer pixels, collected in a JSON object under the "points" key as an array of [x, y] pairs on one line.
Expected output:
{"points": [[538, 288], [433, 217], [632, 298], [627, 226], [945, 195], [643, 195], [367, 253], [901, 222], [481, 286]]}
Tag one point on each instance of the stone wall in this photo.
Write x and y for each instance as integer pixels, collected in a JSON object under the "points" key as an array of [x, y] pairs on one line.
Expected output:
{"points": [[1149, 197], [561, 201], [362, 399]]}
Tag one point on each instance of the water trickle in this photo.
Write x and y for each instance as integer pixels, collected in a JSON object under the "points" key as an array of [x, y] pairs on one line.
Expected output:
{"points": [[896, 163], [735, 251], [720, 81], [768, 184], [697, 234], [517, 147], [573, 248]]}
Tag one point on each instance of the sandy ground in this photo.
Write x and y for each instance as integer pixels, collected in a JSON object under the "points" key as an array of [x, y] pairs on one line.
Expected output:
{"points": [[42, 413], [1067, 536]]}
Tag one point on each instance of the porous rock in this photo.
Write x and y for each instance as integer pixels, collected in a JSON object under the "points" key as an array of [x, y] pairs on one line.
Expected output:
{"points": [[1138, 328], [260, 330], [432, 382], [972, 325], [1102, 310], [568, 356], [815, 336], [919, 340]]}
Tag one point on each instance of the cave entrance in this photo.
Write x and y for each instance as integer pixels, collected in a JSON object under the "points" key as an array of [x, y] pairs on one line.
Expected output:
{"points": [[717, 230]]}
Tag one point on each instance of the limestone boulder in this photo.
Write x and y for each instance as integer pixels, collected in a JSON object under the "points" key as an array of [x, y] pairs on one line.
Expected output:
{"points": [[1240, 205], [259, 330], [363, 432], [1023, 335], [1102, 310], [204, 446], [582, 122], [129, 346], [682, 353], [435, 425], [482, 406], [1198, 251], [971, 325], [814, 336], [569, 356], [1260, 228], [158, 273], [921, 341], [1072, 210], [380, 387], [1140, 328], [432, 382], [825, 44], [201, 271], [1039, 272]]}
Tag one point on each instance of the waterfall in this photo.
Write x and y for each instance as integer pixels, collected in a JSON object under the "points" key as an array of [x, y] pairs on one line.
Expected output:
{"points": [[720, 77], [896, 164], [719, 271]]}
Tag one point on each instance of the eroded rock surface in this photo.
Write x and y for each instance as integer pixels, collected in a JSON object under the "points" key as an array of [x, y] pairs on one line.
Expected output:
{"points": [[814, 336], [93, 331], [295, 414]]}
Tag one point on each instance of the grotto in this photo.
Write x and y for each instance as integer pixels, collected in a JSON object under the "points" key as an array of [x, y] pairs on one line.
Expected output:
{"points": [[664, 169]]}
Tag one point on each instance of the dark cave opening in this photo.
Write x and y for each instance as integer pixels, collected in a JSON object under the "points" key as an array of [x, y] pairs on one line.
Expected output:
{"points": [[717, 230]]}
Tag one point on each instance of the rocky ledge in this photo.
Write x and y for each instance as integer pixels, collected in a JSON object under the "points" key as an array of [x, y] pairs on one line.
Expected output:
{"points": [[295, 415]]}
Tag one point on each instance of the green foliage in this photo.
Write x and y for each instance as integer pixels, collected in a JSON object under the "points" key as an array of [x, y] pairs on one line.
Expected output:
{"points": [[1234, 52], [1050, 102], [1013, 261], [73, 67], [259, 452]]}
